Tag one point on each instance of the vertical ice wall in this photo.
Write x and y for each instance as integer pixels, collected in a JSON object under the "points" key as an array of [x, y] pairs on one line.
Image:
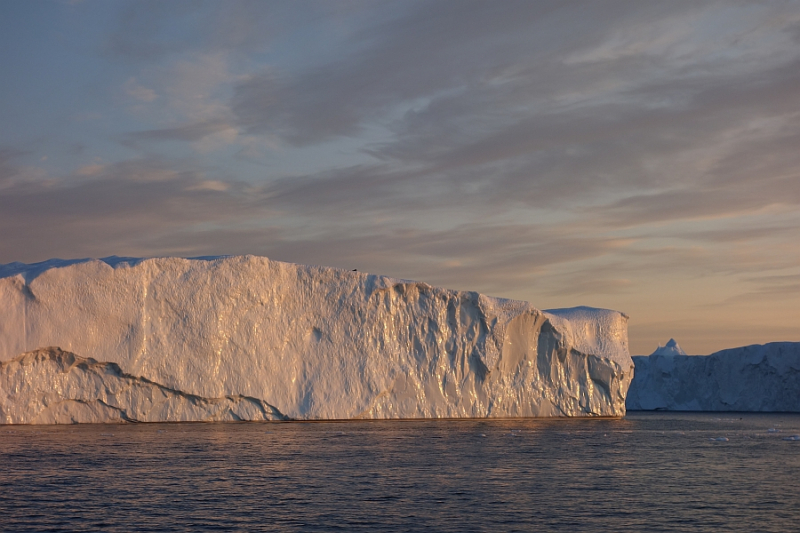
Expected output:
{"points": [[311, 342]]}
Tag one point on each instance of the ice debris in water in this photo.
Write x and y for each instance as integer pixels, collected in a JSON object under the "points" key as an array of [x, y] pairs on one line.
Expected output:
{"points": [[719, 439], [247, 338], [792, 437]]}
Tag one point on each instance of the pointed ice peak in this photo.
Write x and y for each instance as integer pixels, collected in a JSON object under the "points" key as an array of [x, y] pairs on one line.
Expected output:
{"points": [[672, 348]]}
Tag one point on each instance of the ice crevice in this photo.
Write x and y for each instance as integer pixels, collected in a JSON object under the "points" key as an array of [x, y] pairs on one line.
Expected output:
{"points": [[249, 338]]}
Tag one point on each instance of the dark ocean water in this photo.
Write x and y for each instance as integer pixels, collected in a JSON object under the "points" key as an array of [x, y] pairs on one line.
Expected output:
{"points": [[647, 472]]}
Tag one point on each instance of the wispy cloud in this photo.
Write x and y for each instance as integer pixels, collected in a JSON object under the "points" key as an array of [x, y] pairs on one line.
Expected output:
{"points": [[184, 132], [139, 92]]}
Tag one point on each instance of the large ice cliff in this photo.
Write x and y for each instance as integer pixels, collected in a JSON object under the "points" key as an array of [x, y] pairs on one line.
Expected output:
{"points": [[751, 378], [247, 338]]}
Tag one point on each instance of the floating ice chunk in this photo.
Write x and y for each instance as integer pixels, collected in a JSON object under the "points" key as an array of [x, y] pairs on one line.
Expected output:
{"points": [[719, 439], [792, 437]]}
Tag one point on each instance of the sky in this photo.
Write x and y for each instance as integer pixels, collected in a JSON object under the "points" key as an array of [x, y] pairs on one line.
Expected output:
{"points": [[638, 156]]}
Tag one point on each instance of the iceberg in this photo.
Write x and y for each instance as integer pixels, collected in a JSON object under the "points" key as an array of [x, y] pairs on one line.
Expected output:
{"points": [[763, 378], [248, 338]]}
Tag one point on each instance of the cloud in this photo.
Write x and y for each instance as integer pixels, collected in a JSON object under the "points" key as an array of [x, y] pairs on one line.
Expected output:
{"points": [[510, 58], [90, 170], [122, 206], [13, 172], [786, 285], [8, 169], [186, 132], [139, 92], [142, 207], [210, 185], [193, 108], [145, 30], [148, 31], [533, 106], [544, 105], [389, 62]]}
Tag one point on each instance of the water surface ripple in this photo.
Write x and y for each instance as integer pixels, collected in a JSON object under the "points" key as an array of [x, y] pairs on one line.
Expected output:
{"points": [[654, 472]]}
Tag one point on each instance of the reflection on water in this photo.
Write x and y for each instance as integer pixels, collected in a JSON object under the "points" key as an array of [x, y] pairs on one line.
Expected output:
{"points": [[653, 472]]}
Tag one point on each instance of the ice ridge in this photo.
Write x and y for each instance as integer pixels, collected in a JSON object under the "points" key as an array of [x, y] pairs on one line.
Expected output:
{"points": [[51, 386], [671, 348], [309, 342]]}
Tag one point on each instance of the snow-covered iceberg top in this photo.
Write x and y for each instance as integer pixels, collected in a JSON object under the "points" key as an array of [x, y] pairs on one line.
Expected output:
{"points": [[671, 348], [759, 377], [289, 341]]}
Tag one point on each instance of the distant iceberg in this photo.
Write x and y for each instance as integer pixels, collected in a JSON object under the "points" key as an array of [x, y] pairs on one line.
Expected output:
{"points": [[247, 338], [763, 378]]}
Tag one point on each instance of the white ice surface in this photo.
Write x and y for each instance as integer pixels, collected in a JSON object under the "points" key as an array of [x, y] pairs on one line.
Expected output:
{"points": [[591, 331], [300, 341], [762, 378]]}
